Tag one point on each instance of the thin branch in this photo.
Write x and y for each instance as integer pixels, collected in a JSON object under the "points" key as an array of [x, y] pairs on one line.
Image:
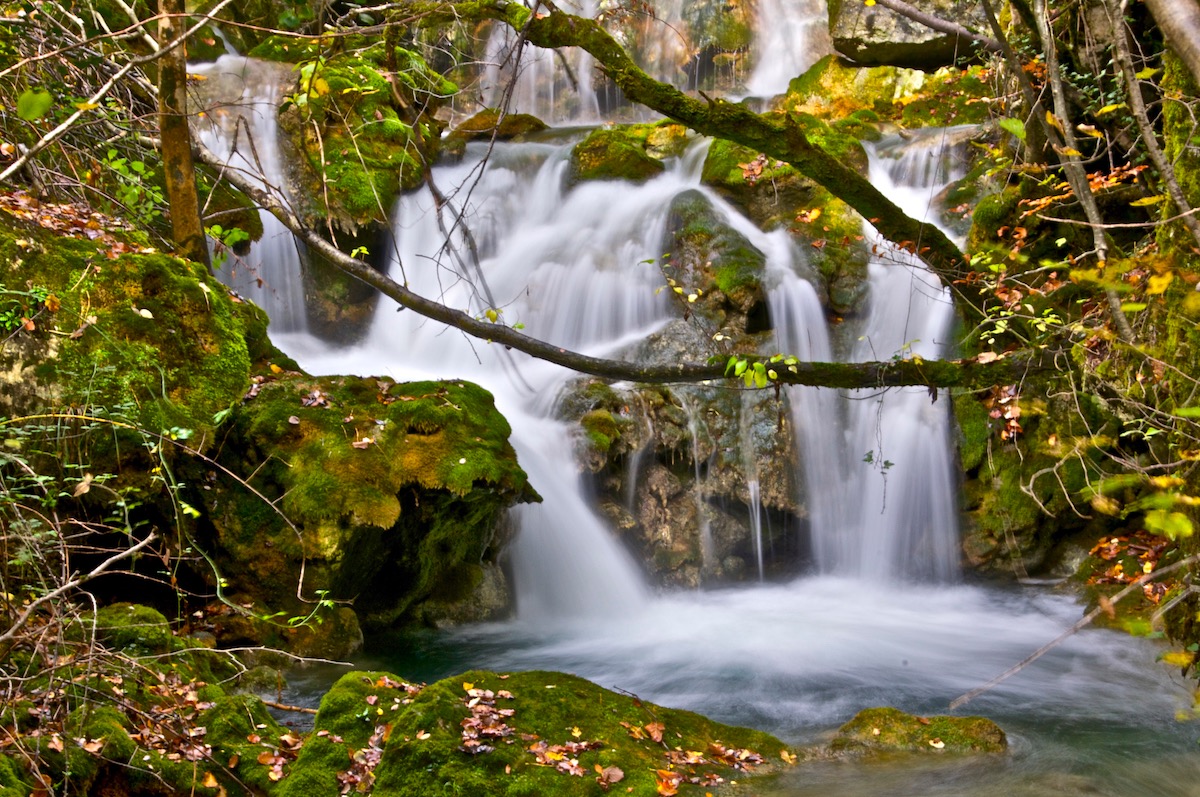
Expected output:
{"points": [[70, 585]]}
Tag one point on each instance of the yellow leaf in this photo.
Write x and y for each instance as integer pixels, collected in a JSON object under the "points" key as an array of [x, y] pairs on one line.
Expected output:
{"points": [[468, 686], [492, 315], [320, 87], [1148, 200], [1179, 658], [1052, 120], [1089, 130], [210, 781], [275, 369], [1159, 283], [87, 106], [1147, 73], [868, 3], [1069, 152], [1110, 108], [576, 732]]}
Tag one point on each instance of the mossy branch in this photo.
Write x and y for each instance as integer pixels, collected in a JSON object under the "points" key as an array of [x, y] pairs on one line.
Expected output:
{"points": [[895, 373]]}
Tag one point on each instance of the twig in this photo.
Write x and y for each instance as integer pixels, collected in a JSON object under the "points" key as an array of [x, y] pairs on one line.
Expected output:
{"points": [[286, 707]]}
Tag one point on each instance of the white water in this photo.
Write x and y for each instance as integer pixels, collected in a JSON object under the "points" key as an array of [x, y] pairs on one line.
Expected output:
{"points": [[796, 659], [241, 128], [790, 36]]}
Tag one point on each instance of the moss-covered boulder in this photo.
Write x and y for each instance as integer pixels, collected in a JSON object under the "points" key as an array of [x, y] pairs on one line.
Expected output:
{"points": [[883, 730], [129, 626], [363, 122], [489, 123], [393, 493], [716, 269], [526, 733], [613, 153]]}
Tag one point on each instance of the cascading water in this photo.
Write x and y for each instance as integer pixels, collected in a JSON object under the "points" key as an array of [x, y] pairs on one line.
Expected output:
{"points": [[239, 124], [790, 36], [883, 503], [797, 658]]}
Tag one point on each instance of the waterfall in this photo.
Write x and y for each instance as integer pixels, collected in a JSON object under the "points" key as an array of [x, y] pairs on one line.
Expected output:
{"points": [[790, 36], [238, 123], [878, 464], [568, 265]]}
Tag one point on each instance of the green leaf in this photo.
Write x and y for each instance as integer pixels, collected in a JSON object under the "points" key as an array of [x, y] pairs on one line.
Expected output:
{"points": [[1171, 525], [740, 368], [1014, 126], [1186, 412], [32, 105], [1133, 307]]}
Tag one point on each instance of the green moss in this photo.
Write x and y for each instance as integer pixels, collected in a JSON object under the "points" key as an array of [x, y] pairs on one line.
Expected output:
{"points": [[362, 146], [148, 335], [12, 779], [888, 729], [135, 628], [422, 755], [613, 153], [385, 522], [949, 96]]}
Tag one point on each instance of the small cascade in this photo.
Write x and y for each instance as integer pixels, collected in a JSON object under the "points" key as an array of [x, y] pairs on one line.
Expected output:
{"points": [[703, 520], [555, 86], [883, 502], [790, 36], [239, 124], [568, 265]]}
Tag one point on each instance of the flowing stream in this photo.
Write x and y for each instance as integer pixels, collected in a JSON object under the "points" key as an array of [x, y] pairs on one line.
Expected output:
{"points": [[883, 619]]}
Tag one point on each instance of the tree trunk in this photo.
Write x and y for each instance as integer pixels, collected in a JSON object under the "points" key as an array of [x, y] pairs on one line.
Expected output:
{"points": [[1180, 23], [179, 172]]}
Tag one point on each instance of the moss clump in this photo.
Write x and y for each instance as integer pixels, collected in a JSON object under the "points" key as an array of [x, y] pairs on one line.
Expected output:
{"points": [[613, 153], [394, 489], [424, 751], [832, 90], [878, 730], [135, 628], [146, 336], [949, 96], [360, 144], [487, 124]]}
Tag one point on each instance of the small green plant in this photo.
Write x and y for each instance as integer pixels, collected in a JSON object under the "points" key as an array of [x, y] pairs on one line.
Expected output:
{"points": [[224, 242], [18, 309], [136, 190]]}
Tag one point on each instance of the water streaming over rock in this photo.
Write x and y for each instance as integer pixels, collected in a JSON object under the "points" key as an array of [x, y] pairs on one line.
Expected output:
{"points": [[794, 658], [241, 97]]}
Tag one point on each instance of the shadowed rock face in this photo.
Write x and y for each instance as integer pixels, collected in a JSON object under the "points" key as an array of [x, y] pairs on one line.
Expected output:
{"points": [[875, 36]]}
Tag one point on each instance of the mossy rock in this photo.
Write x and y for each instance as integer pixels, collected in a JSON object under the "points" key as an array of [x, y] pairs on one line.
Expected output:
{"points": [[150, 339], [132, 627], [424, 751], [882, 730], [613, 153], [13, 781], [488, 124], [834, 89], [394, 490], [359, 146], [711, 261]]}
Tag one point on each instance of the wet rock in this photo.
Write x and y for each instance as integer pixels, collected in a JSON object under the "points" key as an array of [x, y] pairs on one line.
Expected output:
{"points": [[883, 730], [872, 35]]}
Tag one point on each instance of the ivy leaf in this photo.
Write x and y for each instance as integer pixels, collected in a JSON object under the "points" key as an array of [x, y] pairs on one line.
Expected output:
{"points": [[1014, 126], [33, 105]]}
